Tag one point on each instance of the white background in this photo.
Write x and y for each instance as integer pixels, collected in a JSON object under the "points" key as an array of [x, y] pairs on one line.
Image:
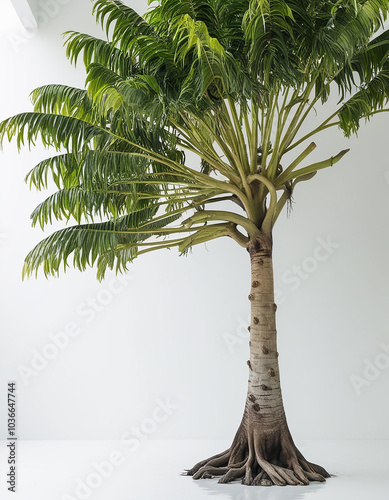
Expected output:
{"points": [[176, 329]]}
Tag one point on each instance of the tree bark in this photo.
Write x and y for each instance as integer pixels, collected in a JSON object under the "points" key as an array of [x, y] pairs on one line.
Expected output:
{"points": [[263, 451]]}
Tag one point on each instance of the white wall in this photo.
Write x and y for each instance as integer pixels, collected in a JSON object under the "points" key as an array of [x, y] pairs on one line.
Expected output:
{"points": [[167, 332]]}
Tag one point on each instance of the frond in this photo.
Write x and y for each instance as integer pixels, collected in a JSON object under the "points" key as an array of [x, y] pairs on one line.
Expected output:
{"points": [[366, 62], [54, 130], [139, 94], [62, 100], [268, 34], [81, 204], [134, 35], [97, 50], [372, 96], [92, 168], [114, 12], [61, 168], [371, 57], [88, 244]]}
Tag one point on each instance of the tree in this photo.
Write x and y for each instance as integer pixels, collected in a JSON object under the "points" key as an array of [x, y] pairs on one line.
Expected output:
{"points": [[232, 82]]}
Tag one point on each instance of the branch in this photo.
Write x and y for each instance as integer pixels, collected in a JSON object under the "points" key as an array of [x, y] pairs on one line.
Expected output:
{"points": [[316, 166], [326, 125], [267, 223], [209, 215], [284, 175], [288, 191]]}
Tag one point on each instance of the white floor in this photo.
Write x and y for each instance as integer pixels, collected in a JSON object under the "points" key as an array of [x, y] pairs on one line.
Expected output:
{"points": [[79, 470]]}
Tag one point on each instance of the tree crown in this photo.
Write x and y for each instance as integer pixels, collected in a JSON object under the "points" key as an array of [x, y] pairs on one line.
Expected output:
{"points": [[229, 81]]}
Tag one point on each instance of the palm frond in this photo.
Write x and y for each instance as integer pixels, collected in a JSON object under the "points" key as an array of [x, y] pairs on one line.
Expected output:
{"points": [[55, 130], [97, 50], [86, 243], [81, 204], [134, 35], [372, 96], [92, 168], [62, 100]]}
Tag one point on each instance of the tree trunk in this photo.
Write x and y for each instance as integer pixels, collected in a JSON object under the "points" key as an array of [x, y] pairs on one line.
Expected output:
{"points": [[263, 451]]}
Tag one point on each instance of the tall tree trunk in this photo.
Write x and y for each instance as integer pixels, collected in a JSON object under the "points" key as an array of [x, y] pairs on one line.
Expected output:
{"points": [[263, 451]]}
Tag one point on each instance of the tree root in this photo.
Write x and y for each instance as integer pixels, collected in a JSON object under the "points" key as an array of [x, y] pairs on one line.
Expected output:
{"points": [[287, 466]]}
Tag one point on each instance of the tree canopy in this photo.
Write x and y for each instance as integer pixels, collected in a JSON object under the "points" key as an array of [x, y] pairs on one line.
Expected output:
{"points": [[230, 82]]}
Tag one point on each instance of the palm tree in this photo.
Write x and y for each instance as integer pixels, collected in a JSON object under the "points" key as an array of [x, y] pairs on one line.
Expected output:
{"points": [[231, 82]]}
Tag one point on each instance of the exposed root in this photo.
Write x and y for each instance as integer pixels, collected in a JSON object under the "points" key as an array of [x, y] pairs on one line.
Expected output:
{"points": [[287, 466], [218, 460]]}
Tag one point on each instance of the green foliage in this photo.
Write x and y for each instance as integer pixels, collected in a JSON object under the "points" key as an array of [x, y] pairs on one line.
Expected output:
{"points": [[229, 81], [105, 244]]}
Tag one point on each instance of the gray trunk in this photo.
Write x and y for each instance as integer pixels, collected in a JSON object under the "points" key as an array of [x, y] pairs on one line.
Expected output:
{"points": [[264, 391]]}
